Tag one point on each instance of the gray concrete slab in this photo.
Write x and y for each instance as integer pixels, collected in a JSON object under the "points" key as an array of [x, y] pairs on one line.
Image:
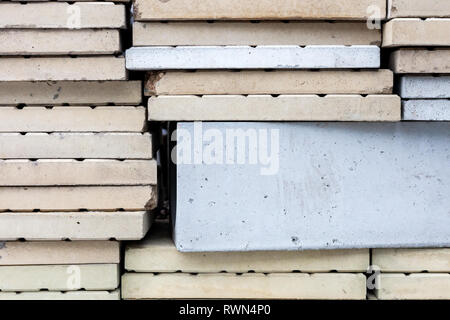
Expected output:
{"points": [[417, 87], [330, 186], [245, 57], [426, 110]]}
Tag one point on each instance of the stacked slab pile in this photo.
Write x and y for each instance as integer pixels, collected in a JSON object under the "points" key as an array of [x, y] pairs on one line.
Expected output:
{"points": [[75, 158], [418, 32], [156, 270], [208, 62]]}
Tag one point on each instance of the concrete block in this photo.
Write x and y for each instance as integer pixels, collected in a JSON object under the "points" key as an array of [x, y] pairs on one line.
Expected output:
{"points": [[281, 108], [75, 146], [418, 8], [58, 42], [416, 32], [73, 119], [158, 254], [247, 286], [59, 277], [263, 10], [131, 225], [256, 34], [62, 68], [275, 82], [412, 260], [59, 252], [417, 87], [420, 61], [57, 295], [71, 92], [261, 57], [426, 110], [132, 198], [61, 15], [414, 287], [79, 173], [229, 198]]}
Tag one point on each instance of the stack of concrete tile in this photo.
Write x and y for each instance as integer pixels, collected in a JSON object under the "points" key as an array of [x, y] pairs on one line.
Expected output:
{"points": [[57, 270], [156, 270], [412, 274], [419, 32], [73, 144], [334, 91], [75, 156]]}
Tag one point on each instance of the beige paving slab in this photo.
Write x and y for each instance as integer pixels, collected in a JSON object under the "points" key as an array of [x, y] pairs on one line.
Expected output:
{"points": [[70, 92], [263, 10], [75, 146], [62, 68], [246, 33], [418, 8], [246, 286], [131, 225], [281, 108], [58, 252], [73, 119], [158, 254], [420, 286], [57, 295], [412, 260], [416, 32], [58, 42], [133, 198], [65, 172], [59, 277], [274, 82], [62, 15], [420, 61]]}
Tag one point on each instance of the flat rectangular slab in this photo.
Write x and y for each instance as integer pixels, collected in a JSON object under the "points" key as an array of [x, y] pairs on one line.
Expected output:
{"points": [[261, 57], [59, 252], [418, 8], [368, 173], [256, 34], [63, 172], [59, 42], [420, 61], [264, 10], [414, 287], [61, 15], [59, 277], [73, 119], [262, 82], [281, 108], [62, 68], [74, 225], [416, 32], [107, 198], [412, 260], [246, 286], [158, 254], [417, 87], [426, 110], [75, 146], [71, 92], [57, 295]]}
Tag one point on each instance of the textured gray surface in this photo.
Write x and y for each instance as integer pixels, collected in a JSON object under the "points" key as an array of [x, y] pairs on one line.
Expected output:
{"points": [[341, 185], [425, 87], [244, 57]]}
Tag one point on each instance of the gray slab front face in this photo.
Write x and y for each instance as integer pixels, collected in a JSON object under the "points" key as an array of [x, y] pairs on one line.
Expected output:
{"points": [[338, 185], [426, 110], [244, 57], [417, 87]]}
